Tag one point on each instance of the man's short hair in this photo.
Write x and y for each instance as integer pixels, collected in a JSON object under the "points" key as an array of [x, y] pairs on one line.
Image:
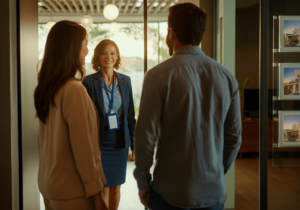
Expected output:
{"points": [[188, 22]]}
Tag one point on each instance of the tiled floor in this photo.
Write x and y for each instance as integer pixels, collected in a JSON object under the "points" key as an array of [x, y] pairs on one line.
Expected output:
{"points": [[129, 192]]}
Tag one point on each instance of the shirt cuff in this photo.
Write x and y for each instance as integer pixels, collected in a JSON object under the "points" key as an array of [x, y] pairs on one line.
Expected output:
{"points": [[143, 179]]}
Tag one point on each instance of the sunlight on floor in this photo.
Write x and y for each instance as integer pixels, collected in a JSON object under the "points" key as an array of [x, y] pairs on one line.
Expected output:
{"points": [[129, 191]]}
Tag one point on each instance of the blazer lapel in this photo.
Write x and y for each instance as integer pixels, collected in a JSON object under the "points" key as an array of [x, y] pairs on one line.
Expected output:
{"points": [[98, 91], [123, 91]]}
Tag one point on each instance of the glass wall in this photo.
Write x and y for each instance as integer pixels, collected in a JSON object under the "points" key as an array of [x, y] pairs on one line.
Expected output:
{"points": [[130, 40], [280, 136], [284, 51]]}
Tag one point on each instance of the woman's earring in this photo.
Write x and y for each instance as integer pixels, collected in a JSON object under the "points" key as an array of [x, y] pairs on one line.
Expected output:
{"points": [[98, 68]]}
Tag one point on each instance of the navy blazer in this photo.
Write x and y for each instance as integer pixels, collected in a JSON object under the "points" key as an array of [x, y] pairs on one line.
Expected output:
{"points": [[93, 84]]}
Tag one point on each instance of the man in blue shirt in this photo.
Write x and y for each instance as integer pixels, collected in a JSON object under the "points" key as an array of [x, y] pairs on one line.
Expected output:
{"points": [[191, 104]]}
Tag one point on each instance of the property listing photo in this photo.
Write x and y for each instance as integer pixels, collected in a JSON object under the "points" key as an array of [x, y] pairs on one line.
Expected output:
{"points": [[289, 33], [289, 81], [289, 132]]}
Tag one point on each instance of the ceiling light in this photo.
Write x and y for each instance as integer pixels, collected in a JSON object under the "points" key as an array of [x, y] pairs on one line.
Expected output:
{"points": [[50, 24], [111, 12], [114, 27], [86, 20]]}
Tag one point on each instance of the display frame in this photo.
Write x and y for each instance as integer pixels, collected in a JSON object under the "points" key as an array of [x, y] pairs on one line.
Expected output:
{"points": [[283, 68], [282, 47], [281, 130]]}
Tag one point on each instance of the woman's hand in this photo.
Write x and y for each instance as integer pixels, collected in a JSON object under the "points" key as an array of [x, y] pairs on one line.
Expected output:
{"points": [[99, 202], [132, 156]]}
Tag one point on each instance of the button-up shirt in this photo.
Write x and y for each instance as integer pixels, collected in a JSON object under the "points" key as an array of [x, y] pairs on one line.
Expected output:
{"points": [[190, 103], [117, 104]]}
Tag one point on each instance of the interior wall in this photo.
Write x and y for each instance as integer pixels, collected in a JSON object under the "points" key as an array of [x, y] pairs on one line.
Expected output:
{"points": [[247, 46], [9, 173], [28, 65], [225, 54]]}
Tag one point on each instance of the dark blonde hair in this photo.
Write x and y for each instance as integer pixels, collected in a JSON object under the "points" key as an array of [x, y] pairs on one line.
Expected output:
{"points": [[60, 63], [99, 49]]}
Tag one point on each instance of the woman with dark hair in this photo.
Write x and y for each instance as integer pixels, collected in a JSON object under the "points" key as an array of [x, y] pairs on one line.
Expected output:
{"points": [[112, 94], [70, 170]]}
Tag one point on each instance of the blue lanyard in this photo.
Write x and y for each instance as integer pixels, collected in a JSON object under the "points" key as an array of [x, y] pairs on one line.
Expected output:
{"points": [[112, 95]]}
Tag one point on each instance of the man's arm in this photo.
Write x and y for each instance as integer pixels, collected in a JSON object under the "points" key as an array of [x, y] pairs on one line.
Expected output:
{"points": [[232, 130], [147, 130]]}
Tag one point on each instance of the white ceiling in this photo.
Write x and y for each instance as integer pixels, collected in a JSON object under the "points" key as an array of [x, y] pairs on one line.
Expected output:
{"points": [[130, 10]]}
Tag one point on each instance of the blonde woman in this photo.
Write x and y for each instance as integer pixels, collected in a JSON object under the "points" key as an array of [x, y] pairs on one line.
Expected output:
{"points": [[112, 94]]}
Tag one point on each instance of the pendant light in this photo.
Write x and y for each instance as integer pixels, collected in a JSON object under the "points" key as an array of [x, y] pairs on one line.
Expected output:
{"points": [[86, 20], [50, 24], [114, 27], [111, 12]]}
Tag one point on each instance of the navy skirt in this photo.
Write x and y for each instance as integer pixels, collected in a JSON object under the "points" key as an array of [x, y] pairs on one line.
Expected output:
{"points": [[114, 157]]}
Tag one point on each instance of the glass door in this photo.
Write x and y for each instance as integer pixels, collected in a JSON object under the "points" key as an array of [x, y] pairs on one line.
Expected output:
{"points": [[139, 53], [284, 48]]}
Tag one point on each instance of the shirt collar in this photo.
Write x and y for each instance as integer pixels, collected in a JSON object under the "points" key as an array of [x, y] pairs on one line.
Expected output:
{"points": [[189, 50], [115, 85]]}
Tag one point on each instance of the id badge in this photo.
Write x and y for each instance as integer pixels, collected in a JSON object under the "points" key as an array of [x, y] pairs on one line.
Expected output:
{"points": [[113, 121]]}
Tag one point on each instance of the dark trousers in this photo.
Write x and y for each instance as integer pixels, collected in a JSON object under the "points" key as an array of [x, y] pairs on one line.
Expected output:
{"points": [[157, 202]]}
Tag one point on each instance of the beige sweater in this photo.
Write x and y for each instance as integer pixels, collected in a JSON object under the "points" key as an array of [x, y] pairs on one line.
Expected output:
{"points": [[70, 165]]}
